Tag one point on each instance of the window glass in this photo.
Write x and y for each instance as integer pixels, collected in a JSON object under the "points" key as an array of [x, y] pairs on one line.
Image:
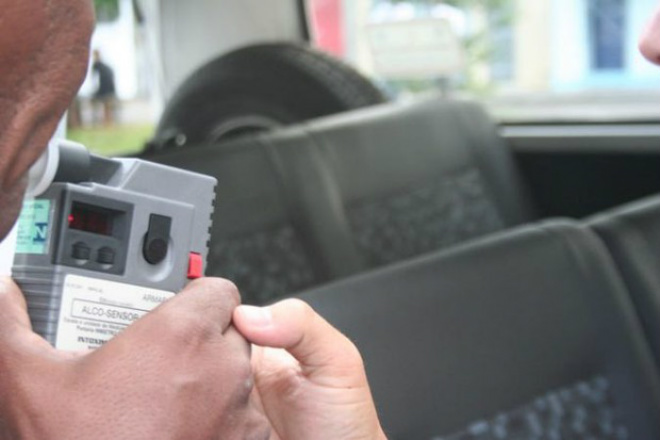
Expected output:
{"points": [[112, 113], [550, 60], [607, 34]]}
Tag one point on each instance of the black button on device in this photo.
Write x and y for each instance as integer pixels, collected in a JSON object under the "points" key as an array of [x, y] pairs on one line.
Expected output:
{"points": [[106, 255], [80, 251], [156, 241]]}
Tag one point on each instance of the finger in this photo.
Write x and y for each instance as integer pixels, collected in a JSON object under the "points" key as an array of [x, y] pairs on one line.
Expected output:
{"points": [[648, 43], [206, 301], [13, 308], [199, 314], [15, 325], [322, 351], [240, 348]]}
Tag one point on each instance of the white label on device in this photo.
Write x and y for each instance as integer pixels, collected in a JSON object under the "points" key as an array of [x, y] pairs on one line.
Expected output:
{"points": [[94, 311]]}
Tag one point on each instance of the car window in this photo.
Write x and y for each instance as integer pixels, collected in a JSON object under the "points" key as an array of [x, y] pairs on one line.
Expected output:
{"points": [[543, 60], [548, 61], [113, 112]]}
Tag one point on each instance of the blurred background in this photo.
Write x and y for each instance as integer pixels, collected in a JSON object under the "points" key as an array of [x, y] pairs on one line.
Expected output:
{"points": [[527, 60]]}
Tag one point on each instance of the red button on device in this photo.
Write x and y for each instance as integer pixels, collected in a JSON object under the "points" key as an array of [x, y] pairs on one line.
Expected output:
{"points": [[195, 266]]}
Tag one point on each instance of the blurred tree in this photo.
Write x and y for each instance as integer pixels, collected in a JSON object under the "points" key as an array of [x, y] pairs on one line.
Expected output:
{"points": [[106, 10], [488, 4]]}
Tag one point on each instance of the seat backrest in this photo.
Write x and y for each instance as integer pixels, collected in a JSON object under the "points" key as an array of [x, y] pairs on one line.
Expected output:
{"points": [[417, 177], [632, 235], [340, 195], [529, 334], [256, 240]]}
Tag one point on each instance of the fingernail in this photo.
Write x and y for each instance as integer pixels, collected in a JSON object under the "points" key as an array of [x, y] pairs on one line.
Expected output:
{"points": [[256, 316]]}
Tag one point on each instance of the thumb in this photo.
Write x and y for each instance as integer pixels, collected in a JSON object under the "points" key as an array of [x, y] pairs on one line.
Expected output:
{"points": [[325, 355], [15, 326]]}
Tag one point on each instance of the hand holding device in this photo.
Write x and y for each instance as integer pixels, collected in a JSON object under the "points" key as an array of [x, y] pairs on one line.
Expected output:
{"points": [[181, 372], [103, 241]]}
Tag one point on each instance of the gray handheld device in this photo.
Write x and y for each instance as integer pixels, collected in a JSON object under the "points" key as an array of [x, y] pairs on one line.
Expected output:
{"points": [[107, 241]]}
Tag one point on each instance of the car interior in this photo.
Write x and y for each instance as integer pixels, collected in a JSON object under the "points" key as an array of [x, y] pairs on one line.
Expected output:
{"points": [[414, 229], [529, 333], [501, 279]]}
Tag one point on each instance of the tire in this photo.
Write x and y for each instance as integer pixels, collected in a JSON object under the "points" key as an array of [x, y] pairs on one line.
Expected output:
{"points": [[258, 88]]}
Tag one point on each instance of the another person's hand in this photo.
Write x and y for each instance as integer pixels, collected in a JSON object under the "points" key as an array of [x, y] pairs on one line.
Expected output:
{"points": [[649, 42], [310, 378], [181, 372]]}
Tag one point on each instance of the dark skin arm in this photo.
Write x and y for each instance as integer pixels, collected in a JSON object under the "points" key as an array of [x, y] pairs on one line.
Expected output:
{"points": [[181, 372]]}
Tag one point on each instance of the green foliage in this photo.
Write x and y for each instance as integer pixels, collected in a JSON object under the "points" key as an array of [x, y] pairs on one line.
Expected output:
{"points": [[111, 141], [488, 4], [106, 10]]}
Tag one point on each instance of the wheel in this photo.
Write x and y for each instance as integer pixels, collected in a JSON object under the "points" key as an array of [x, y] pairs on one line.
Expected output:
{"points": [[258, 88]]}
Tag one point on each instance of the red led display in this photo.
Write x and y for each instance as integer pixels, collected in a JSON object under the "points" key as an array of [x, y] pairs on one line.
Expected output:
{"points": [[89, 219]]}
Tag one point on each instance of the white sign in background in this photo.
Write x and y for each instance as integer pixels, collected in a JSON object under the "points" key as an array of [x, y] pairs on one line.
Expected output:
{"points": [[420, 48]]}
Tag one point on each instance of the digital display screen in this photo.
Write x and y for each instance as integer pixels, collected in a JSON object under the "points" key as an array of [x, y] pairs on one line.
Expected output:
{"points": [[90, 218]]}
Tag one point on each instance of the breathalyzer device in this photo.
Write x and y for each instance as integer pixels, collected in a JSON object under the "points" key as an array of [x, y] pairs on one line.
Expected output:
{"points": [[101, 242]]}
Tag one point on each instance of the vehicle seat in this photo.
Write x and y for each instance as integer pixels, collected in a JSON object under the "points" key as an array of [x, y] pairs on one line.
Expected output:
{"points": [[527, 334], [255, 240], [418, 177], [632, 235], [306, 204]]}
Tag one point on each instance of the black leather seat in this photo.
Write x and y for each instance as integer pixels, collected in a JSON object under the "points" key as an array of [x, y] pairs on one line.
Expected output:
{"points": [[340, 195], [632, 235], [529, 334]]}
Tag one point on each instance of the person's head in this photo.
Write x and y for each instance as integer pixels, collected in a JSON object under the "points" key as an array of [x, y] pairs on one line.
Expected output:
{"points": [[96, 55], [44, 48], [649, 44]]}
